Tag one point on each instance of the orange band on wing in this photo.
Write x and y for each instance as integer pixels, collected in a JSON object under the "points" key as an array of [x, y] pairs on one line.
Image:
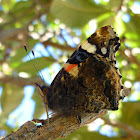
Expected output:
{"points": [[70, 66]]}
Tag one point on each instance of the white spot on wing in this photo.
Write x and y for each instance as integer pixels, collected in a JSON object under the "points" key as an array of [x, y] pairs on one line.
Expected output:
{"points": [[103, 50], [88, 47]]}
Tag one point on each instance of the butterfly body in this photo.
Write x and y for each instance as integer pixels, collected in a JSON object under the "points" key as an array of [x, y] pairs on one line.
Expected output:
{"points": [[89, 81]]}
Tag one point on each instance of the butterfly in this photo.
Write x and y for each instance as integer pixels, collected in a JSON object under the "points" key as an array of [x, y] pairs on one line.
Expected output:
{"points": [[89, 81]]}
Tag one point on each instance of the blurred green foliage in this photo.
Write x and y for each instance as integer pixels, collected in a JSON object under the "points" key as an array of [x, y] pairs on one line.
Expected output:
{"points": [[59, 24]]}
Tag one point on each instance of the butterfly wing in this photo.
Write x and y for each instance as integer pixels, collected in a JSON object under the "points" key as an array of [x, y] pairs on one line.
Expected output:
{"points": [[89, 80], [103, 42]]}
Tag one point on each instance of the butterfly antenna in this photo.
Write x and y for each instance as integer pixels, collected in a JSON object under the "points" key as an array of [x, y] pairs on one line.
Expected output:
{"points": [[37, 69], [41, 76]]}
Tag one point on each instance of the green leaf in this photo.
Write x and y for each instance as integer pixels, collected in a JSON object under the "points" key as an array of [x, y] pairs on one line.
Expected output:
{"points": [[133, 27], [131, 114], [119, 25], [115, 4], [75, 13], [10, 99], [106, 19], [7, 4], [21, 6], [29, 68], [23, 12], [16, 59], [136, 21]]}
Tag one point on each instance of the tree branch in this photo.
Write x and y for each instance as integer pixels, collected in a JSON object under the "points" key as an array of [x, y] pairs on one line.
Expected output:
{"points": [[59, 126], [45, 8], [19, 81], [58, 46], [6, 34]]}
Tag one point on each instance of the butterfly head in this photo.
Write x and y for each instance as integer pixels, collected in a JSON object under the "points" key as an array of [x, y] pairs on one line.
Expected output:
{"points": [[42, 91]]}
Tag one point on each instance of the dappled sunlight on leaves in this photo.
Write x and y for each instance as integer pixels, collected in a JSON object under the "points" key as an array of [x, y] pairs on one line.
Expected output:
{"points": [[53, 29]]}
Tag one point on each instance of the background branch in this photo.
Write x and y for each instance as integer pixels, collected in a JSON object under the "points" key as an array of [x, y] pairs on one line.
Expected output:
{"points": [[58, 46], [19, 81]]}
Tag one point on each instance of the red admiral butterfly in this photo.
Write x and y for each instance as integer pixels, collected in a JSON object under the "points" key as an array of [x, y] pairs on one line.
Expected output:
{"points": [[89, 80]]}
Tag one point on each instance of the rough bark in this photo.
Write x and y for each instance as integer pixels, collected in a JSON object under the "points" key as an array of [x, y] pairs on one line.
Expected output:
{"points": [[59, 126]]}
